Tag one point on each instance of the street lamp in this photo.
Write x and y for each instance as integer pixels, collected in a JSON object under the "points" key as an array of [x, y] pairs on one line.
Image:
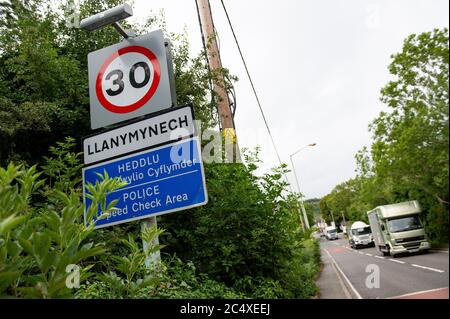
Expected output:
{"points": [[110, 17], [305, 217]]}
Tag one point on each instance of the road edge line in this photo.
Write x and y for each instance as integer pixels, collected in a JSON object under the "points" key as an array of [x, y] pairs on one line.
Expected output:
{"points": [[346, 292], [358, 296]]}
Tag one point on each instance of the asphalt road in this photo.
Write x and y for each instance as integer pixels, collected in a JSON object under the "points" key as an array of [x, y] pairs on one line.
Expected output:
{"points": [[406, 276]]}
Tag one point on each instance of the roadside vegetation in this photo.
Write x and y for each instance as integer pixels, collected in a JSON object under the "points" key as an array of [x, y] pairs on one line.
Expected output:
{"points": [[409, 156], [246, 243]]}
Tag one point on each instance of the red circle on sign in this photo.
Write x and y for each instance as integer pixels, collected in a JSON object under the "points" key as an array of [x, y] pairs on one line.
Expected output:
{"points": [[132, 107]]}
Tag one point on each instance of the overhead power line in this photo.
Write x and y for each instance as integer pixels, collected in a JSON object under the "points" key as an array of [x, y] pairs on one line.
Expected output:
{"points": [[251, 81], [253, 86]]}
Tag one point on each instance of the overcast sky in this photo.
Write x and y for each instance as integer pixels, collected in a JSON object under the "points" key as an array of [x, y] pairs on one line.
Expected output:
{"points": [[318, 66]]}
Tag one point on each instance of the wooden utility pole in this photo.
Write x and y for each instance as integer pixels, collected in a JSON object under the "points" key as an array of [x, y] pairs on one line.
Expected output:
{"points": [[212, 50], [215, 65]]}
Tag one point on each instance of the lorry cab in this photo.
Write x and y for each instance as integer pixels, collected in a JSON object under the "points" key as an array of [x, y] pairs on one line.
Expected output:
{"points": [[331, 233], [397, 228], [360, 235]]}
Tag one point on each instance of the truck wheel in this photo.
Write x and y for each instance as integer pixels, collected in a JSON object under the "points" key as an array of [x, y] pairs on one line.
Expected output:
{"points": [[385, 253], [389, 252]]}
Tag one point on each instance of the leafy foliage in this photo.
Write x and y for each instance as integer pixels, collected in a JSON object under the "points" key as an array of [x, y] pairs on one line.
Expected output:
{"points": [[133, 273], [40, 238], [174, 279], [252, 232]]}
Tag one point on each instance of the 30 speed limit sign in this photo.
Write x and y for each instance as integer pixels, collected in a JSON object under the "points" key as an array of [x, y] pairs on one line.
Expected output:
{"points": [[128, 80]]}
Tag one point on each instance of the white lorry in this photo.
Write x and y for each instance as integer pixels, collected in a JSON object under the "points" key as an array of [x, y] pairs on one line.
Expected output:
{"points": [[360, 235], [331, 233], [397, 228]]}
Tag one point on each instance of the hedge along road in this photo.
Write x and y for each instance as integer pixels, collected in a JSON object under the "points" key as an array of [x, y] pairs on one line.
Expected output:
{"points": [[417, 276]]}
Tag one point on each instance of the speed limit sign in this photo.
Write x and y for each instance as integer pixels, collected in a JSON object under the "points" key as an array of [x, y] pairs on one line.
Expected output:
{"points": [[129, 79]]}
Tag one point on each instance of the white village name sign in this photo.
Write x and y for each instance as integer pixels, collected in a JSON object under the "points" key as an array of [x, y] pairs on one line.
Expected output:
{"points": [[170, 126]]}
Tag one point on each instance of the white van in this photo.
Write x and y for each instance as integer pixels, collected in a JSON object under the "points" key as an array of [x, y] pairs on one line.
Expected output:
{"points": [[360, 235], [331, 233]]}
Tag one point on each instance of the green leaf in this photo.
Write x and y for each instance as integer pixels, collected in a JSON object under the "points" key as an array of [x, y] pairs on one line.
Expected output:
{"points": [[14, 249], [7, 224]]}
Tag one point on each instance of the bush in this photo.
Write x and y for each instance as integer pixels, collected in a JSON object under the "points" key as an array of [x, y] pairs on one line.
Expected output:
{"points": [[248, 236], [39, 240], [173, 280]]}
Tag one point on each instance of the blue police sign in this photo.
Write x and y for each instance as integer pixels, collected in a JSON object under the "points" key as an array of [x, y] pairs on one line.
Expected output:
{"points": [[159, 181]]}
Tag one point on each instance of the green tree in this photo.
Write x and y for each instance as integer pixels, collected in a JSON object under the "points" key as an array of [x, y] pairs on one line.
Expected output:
{"points": [[410, 149]]}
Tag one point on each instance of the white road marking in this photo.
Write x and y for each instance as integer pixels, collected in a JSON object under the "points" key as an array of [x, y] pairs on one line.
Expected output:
{"points": [[358, 296], [370, 255], [346, 292], [397, 261], [333, 265], [380, 257], [417, 293], [361, 253], [428, 268]]}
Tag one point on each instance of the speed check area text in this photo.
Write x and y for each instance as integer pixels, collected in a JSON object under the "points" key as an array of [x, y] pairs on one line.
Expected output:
{"points": [[159, 181]]}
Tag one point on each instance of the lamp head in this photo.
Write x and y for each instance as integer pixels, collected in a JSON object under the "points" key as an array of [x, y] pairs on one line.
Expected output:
{"points": [[107, 17]]}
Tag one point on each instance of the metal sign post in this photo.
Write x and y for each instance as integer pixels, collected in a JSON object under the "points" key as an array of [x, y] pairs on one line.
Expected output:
{"points": [[152, 260]]}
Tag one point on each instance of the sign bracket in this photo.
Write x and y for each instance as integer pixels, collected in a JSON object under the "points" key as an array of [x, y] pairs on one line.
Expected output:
{"points": [[126, 33]]}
